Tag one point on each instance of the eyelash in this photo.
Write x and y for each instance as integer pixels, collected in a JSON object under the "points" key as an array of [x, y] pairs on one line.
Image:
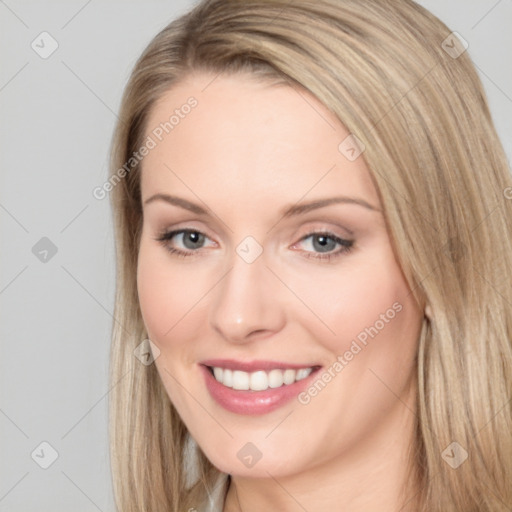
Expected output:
{"points": [[346, 245]]}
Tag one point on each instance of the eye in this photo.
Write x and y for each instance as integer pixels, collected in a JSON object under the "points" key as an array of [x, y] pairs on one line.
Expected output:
{"points": [[190, 240], [322, 244]]}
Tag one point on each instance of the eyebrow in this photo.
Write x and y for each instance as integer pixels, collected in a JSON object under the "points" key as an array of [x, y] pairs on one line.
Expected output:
{"points": [[290, 211]]}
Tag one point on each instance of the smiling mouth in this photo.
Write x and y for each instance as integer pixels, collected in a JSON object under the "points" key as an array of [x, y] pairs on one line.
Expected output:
{"points": [[260, 380]]}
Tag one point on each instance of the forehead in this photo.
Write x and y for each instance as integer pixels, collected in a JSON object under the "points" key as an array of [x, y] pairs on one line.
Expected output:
{"points": [[244, 139]]}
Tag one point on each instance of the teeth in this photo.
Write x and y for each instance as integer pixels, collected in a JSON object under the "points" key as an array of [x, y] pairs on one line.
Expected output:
{"points": [[302, 373], [240, 380], [218, 373], [227, 378], [289, 376], [275, 378], [260, 380]]}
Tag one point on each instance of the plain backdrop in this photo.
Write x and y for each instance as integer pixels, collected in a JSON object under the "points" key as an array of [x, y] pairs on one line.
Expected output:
{"points": [[57, 254]]}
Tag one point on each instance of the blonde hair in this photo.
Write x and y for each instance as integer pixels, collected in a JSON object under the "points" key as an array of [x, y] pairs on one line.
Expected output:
{"points": [[389, 73]]}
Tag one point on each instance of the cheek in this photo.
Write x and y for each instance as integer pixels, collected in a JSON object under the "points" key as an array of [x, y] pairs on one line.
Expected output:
{"points": [[169, 298], [362, 304], [376, 323], [167, 295]]}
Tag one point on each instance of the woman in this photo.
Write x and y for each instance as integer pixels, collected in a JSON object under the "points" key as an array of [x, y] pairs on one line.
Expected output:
{"points": [[314, 260]]}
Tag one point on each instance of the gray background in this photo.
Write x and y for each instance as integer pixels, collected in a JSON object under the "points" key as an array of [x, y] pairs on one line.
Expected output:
{"points": [[57, 117]]}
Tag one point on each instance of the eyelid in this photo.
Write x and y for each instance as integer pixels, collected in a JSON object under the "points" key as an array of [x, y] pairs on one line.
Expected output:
{"points": [[324, 226], [183, 226], [168, 234]]}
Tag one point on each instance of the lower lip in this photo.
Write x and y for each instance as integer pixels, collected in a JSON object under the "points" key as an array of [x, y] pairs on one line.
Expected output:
{"points": [[253, 402]]}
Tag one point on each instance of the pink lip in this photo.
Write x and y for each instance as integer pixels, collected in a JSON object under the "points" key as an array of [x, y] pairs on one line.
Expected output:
{"points": [[253, 402], [254, 366]]}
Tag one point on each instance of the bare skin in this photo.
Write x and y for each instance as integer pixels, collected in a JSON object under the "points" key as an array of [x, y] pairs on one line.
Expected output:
{"points": [[245, 153]]}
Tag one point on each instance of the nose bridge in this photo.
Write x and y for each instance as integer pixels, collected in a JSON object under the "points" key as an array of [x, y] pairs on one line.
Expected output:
{"points": [[246, 300]]}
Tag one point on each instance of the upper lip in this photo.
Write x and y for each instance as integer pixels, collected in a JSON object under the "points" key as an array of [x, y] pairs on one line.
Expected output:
{"points": [[253, 366]]}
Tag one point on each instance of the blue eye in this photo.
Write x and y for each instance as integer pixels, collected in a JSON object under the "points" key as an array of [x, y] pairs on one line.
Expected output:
{"points": [[323, 245], [190, 239]]}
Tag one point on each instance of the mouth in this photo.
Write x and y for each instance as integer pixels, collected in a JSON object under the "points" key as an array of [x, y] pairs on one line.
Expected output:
{"points": [[256, 387]]}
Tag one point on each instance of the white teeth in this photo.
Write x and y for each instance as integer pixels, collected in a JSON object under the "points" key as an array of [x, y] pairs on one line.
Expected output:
{"points": [[218, 373], [289, 376], [240, 380], [303, 373], [227, 378], [275, 378], [259, 380]]}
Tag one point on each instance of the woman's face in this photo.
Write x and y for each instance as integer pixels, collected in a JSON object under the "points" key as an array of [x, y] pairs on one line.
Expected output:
{"points": [[283, 280]]}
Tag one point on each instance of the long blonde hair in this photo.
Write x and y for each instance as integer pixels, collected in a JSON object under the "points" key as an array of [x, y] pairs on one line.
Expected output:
{"points": [[398, 79]]}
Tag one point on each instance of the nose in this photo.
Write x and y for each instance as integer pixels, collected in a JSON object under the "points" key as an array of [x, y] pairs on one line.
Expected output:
{"points": [[246, 304]]}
